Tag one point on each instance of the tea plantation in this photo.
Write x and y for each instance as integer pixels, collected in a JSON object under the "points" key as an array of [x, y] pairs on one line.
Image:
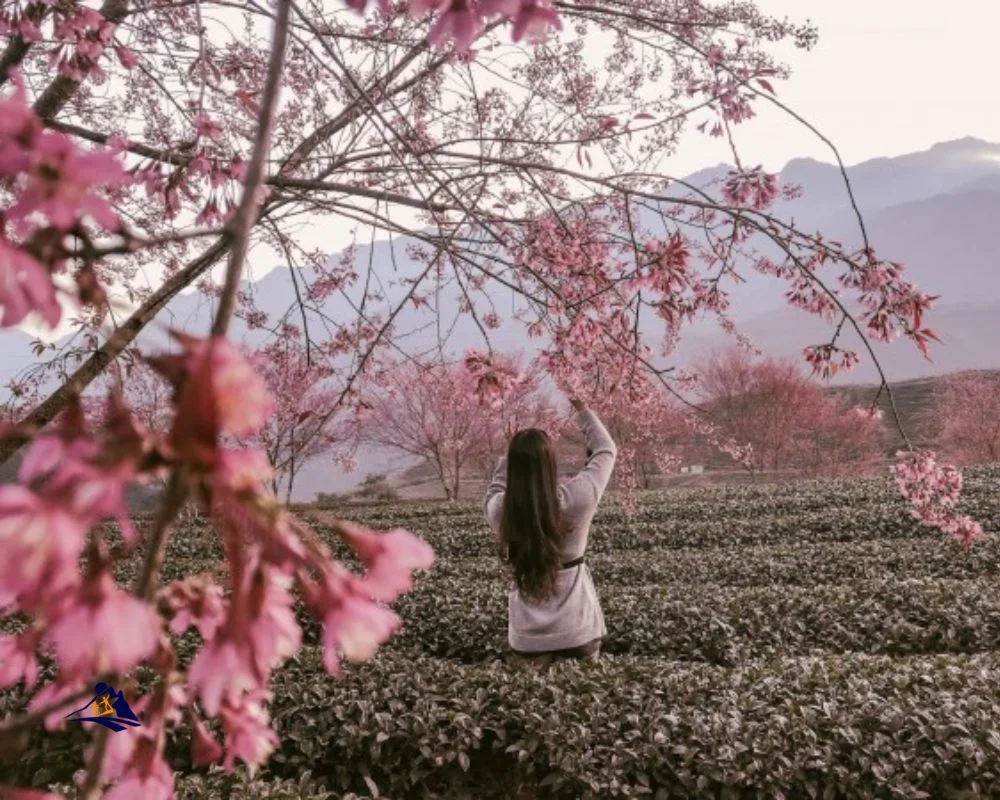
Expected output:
{"points": [[802, 641]]}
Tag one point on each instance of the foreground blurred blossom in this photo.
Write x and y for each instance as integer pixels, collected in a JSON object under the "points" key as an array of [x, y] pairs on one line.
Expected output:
{"points": [[205, 749], [148, 776], [83, 476], [390, 558], [103, 629], [25, 286], [218, 392], [41, 544], [221, 671], [66, 692], [197, 601], [60, 183], [248, 734], [354, 626]]}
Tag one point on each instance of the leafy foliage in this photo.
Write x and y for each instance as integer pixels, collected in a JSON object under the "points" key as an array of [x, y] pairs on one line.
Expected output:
{"points": [[755, 649]]}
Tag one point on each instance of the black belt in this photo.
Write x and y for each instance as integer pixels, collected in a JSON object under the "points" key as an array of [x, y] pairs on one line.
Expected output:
{"points": [[574, 563]]}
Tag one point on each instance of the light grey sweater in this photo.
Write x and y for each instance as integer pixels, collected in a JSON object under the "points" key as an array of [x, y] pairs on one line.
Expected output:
{"points": [[573, 616]]}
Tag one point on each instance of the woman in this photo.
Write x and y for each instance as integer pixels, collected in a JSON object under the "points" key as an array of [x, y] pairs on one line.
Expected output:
{"points": [[542, 527]]}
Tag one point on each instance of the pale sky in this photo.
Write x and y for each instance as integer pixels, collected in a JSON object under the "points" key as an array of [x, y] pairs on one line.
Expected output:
{"points": [[887, 77]]}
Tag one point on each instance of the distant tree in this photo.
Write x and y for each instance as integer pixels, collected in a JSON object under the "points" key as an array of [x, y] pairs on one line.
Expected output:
{"points": [[836, 440], [759, 403], [424, 410], [964, 418], [442, 414], [301, 427], [784, 416]]}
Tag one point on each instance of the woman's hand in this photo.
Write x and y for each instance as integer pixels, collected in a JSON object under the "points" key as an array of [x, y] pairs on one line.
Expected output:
{"points": [[577, 404]]}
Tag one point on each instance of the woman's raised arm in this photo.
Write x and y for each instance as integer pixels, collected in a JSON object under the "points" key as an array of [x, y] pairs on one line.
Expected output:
{"points": [[593, 479], [495, 492]]}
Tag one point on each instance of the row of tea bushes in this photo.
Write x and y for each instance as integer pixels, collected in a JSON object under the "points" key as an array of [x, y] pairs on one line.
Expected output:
{"points": [[451, 618], [410, 726], [831, 727], [721, 502], [796, 564], [832, 525]]}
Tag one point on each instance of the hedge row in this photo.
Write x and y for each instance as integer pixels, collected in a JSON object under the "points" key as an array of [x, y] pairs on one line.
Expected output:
{"points": [[799, 565], [416, 727], [724, 625], [719, 501], [835, 525], [239, 786], [845, 727]]}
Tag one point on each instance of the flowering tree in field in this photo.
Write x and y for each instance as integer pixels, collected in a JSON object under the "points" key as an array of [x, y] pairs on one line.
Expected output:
{"points": [[301, 427], [151, 143], [837, 440], [439, 413], [964, 418], [785, 418]]}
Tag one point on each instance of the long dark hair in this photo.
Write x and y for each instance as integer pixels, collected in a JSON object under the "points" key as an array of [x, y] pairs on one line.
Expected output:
{"points": [[531, 526]]}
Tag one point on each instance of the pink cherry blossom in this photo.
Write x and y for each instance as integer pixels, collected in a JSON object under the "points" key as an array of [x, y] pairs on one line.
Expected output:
{"points": [[355, 627], [534, 21], [242, 470], [417, 8], [248, 734], [119, 752], [68, 472], [458, 24], [219, 393], [104, 629], [221, 670], [933, 490], [197, 601], [273, 633], [205, 749], [41, 544], [207, 127], [390, 558], [68, 688], [25, 286], [148, 776], [754, 188], [60, 184]]}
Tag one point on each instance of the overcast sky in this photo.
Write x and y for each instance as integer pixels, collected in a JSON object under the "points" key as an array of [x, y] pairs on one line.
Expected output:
{"points": [[887, 77]]}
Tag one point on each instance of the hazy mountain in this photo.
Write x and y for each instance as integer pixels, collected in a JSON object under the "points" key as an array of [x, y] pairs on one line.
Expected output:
{"points": [[934, 211]]}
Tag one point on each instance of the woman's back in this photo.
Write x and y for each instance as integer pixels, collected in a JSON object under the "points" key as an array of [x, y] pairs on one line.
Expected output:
{"points": [[570, 616]]}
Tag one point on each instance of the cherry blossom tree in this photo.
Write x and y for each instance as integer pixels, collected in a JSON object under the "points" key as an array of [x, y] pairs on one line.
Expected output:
{"points": [[146, 148], [785, 418], [964, 418], [837, 440], [300, 428], [439, 413]]}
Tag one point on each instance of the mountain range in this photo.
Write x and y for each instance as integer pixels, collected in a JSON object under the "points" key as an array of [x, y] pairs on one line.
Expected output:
{"points": [[934, 211]]}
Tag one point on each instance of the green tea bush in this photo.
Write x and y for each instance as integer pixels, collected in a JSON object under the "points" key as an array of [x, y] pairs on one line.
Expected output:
{"points": [[797, 641]]}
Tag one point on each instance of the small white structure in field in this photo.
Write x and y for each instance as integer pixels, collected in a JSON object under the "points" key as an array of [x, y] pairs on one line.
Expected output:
{"points": [[693, 469]]}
